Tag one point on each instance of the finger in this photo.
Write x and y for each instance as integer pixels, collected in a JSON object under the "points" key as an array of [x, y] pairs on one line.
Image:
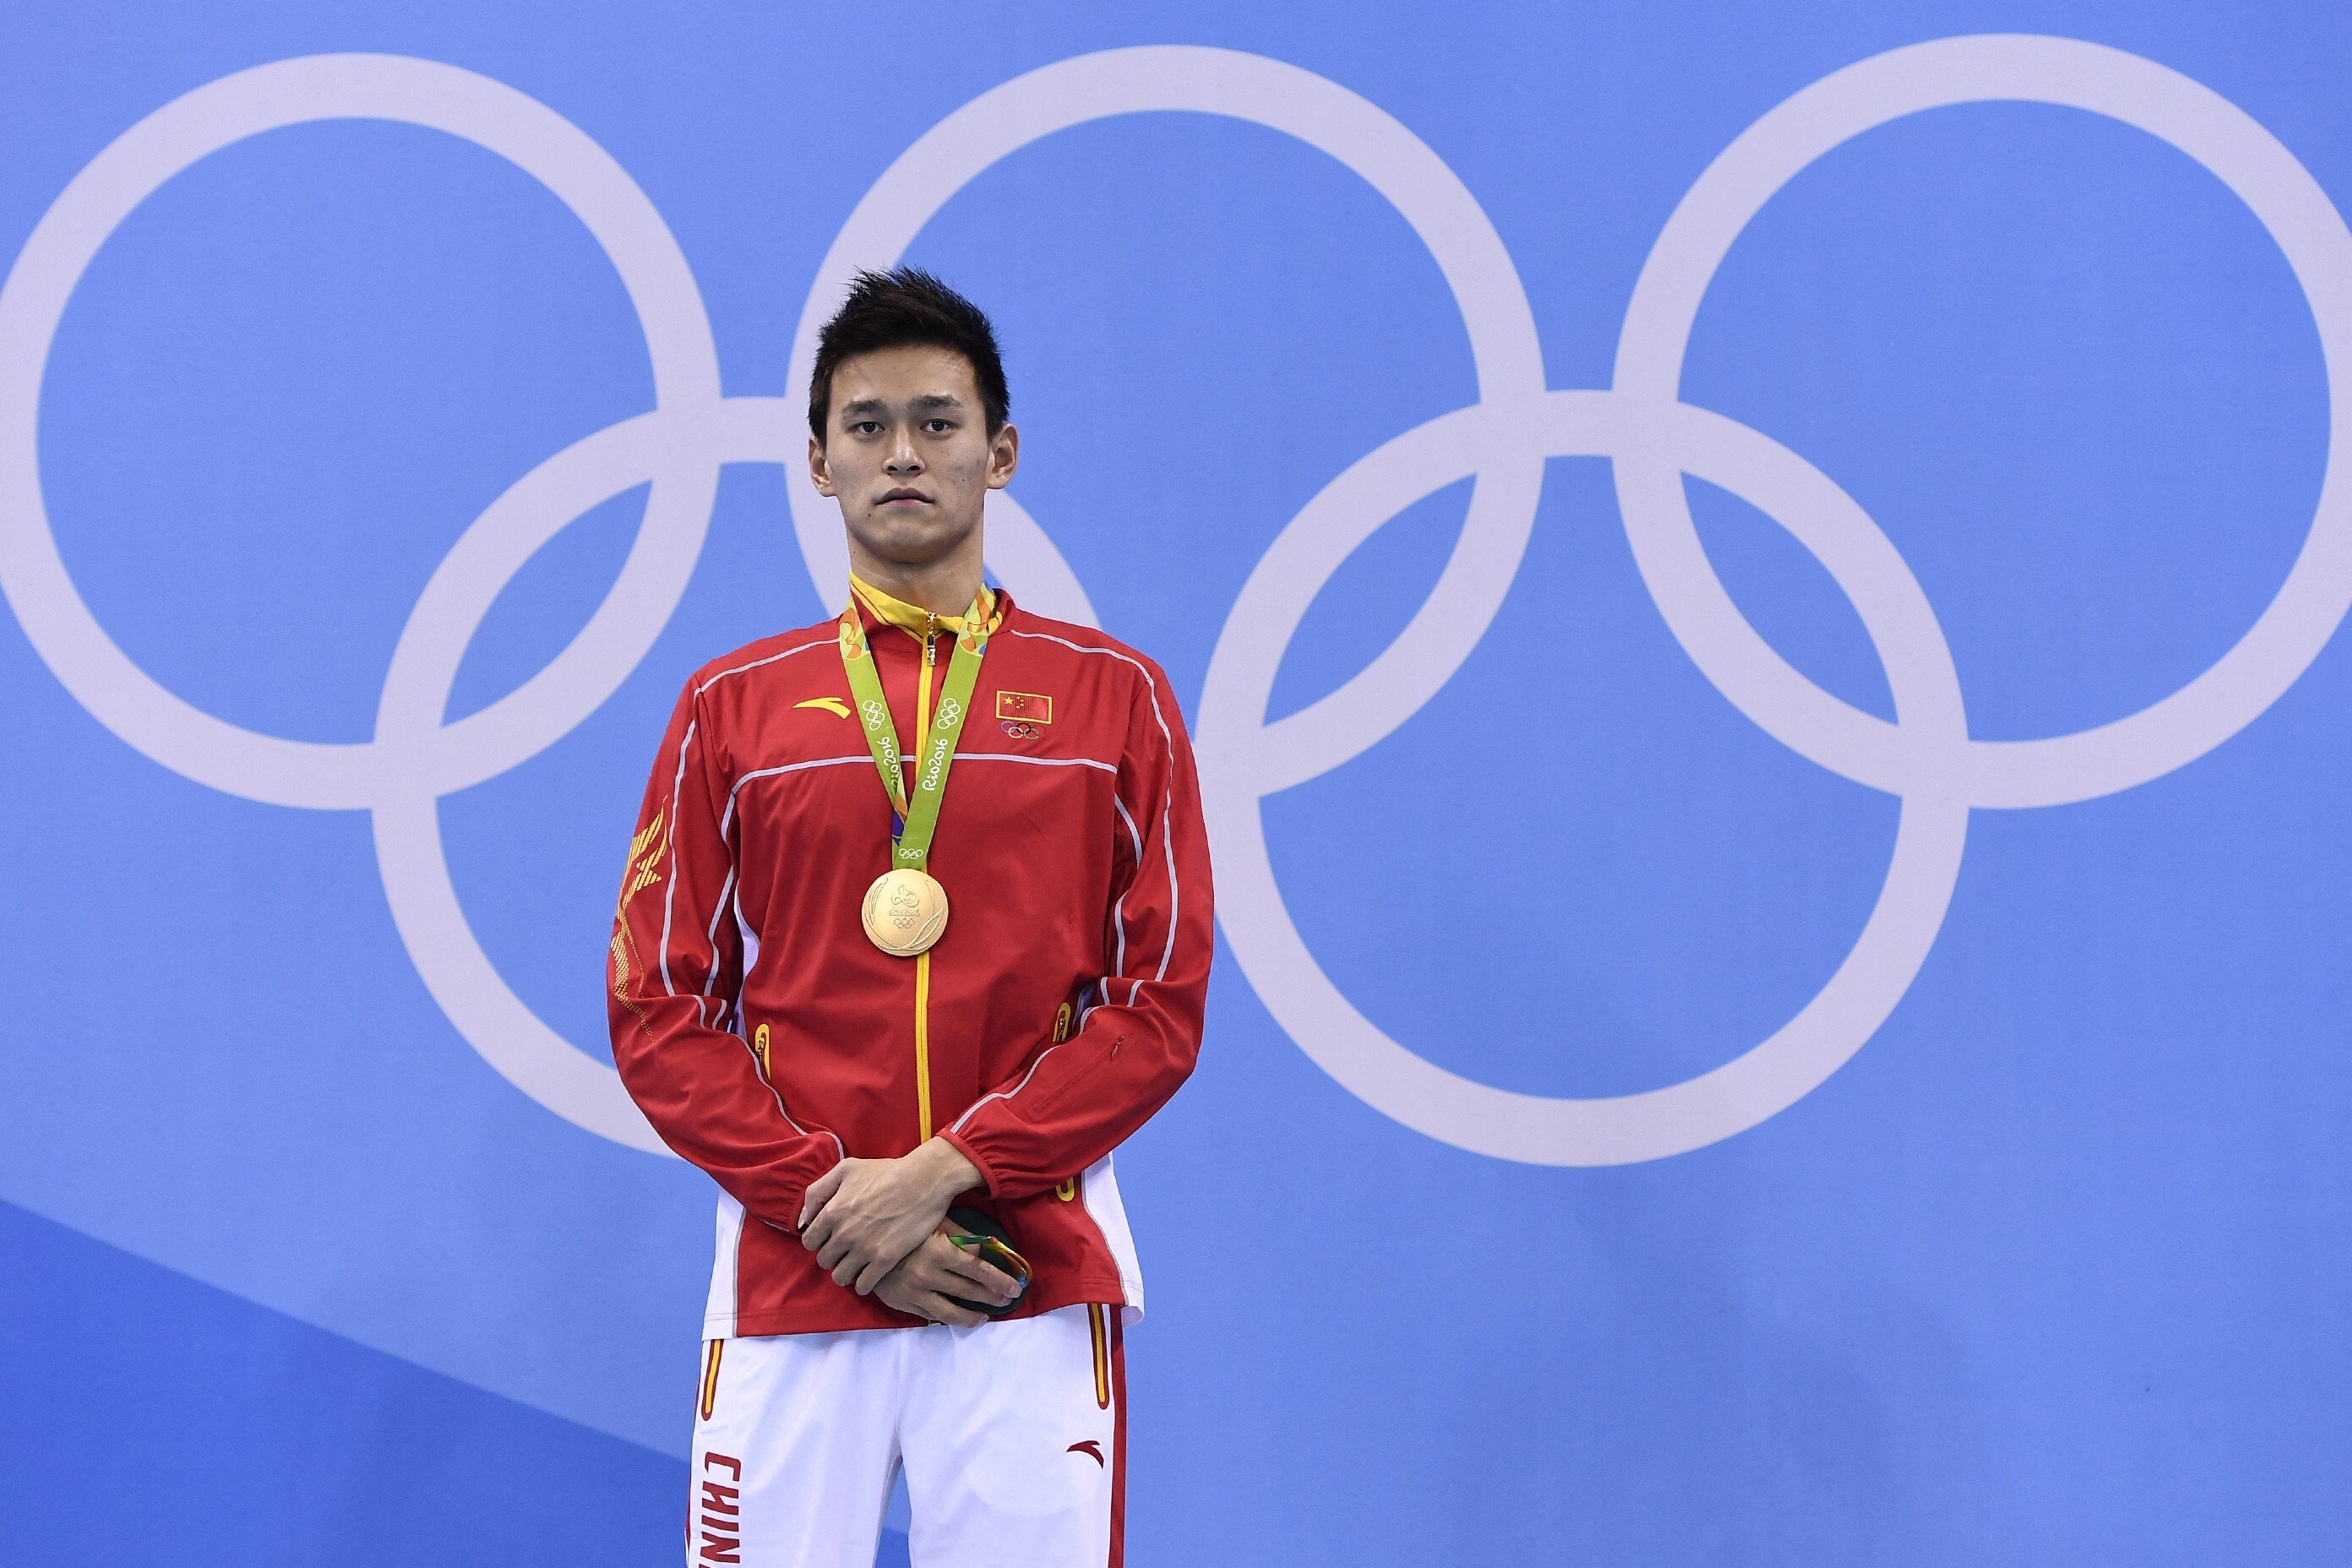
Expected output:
{"points": [[817, 1232], [874, 1273], [901, 1298], [847, 1271], [898, 1243], [820, 1191], [836, 1252], [924, 1276], [941, 1271], [925, 1269], [940, 1309], [990, 1278]]}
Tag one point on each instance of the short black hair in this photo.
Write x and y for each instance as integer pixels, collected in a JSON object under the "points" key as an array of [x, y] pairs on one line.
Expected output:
{"points": [[908, 305]]}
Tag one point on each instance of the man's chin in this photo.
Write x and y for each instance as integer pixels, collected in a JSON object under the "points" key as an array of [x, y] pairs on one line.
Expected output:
{"points": [[913, 540]]}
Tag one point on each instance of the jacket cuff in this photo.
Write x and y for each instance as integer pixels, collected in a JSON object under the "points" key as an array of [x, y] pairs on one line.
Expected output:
{"points": [[781, 1208], [965, 1147]]}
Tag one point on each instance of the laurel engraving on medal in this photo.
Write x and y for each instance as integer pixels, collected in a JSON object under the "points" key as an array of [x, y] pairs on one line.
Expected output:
{"points": [[903, 911]]}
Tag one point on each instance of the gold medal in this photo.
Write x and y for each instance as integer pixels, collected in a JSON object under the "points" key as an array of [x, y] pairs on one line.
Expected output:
{"points": [[904, 911]]}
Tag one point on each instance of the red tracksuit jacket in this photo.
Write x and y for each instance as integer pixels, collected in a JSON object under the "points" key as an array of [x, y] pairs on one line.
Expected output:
{"points": [[765, 1038]]}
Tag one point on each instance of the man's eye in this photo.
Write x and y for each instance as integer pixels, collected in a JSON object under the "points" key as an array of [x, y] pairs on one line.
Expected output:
{"points": [[937, 426], [866, 426]]}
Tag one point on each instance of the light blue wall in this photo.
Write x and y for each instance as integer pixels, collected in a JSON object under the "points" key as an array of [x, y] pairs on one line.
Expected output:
{"points": [[2051, 1271]]}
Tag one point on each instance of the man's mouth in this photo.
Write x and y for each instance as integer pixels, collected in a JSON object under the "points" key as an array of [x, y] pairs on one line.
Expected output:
{"points": [[902, 494]]}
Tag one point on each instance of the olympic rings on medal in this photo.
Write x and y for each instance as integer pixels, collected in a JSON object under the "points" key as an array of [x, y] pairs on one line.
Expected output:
{"points": [[1652, 439]]}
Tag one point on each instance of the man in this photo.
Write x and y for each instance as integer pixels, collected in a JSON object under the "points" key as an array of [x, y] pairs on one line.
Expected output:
{"points": [[917, 918]]}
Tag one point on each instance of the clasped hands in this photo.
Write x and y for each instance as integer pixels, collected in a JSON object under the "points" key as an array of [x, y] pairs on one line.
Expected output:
{"points": [[879, 1227]]}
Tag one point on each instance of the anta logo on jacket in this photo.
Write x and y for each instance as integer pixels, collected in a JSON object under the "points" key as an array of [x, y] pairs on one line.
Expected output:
{"points": [[1077, 876]]}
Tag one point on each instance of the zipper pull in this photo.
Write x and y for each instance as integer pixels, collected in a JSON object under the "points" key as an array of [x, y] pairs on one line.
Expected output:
{"points": [[931, 651]]}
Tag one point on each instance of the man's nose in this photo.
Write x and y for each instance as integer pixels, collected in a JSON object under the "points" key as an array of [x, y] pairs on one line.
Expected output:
{"points": [[902, 459]]}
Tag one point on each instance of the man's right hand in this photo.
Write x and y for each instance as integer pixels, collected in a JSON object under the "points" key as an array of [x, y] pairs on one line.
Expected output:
{"points": [[925, 1278]]}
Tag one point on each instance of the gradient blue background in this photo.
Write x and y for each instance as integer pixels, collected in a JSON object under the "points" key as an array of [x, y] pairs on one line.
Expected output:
{"points": [[2052, 1273]]}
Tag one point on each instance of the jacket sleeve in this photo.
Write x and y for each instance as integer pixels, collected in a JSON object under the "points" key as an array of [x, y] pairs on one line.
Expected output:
{"points": [[673, 975], [1139, 1030]]}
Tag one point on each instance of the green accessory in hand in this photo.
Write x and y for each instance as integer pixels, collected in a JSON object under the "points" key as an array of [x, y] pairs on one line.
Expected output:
{"points": [[992, 1245]]}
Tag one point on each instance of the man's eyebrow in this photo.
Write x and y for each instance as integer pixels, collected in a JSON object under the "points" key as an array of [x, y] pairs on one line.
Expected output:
{"points": [[861, 407]]}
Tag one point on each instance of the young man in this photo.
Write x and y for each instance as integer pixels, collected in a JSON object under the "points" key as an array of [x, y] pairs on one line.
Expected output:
{"points": [[917, 918]]}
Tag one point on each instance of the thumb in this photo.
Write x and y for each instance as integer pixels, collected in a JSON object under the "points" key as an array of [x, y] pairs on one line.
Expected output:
{"points": [[819, 1191]]}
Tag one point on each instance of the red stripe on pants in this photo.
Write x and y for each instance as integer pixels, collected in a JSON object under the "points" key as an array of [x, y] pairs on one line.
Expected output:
{"points": [[1118, 1438]]}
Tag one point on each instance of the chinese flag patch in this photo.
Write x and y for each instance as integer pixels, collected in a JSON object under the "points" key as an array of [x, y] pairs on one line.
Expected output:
{"points": [[1025, 706]]}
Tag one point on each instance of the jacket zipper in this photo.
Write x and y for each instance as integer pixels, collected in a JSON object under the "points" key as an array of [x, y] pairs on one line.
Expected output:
{"points": [[923, 960]]}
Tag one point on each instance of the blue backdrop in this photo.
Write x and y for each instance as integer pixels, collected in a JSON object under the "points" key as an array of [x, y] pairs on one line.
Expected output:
{"points": [[1865, 1088]]}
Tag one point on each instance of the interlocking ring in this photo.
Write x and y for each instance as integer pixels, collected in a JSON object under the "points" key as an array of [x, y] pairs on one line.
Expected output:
{"points": [[415, 757], [1652, 439], [1924, 756]]}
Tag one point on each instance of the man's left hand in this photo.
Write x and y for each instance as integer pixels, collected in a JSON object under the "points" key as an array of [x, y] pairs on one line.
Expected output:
{"points": [[864, 1217]]}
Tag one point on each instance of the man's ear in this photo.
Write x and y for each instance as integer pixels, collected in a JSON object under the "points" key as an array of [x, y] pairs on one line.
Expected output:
{"points": [[819, 474], [1003, 456]]}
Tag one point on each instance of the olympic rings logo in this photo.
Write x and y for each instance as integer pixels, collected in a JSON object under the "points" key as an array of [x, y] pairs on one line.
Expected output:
{"points": [[1926, 756]]}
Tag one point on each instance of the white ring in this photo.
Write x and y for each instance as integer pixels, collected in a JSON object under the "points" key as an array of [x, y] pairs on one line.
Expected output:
{"points": [[414, 757], [2190, 116], [33, 576], [1171, 77], [681, 450], [1924, 755], [1538, 1129]]}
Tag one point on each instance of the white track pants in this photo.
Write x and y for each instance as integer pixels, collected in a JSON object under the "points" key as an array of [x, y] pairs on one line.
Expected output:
{"points": [[1013, 1436]]}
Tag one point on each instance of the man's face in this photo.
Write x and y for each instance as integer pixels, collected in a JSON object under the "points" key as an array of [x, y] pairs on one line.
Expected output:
{"points": [[907, 453]]}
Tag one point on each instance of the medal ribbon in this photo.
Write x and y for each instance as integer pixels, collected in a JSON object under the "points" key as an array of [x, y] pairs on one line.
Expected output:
{"points": [[919, 815]]}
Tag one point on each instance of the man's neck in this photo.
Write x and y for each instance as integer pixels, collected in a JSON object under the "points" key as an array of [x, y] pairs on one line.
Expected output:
{"points": [[948, 584]]}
